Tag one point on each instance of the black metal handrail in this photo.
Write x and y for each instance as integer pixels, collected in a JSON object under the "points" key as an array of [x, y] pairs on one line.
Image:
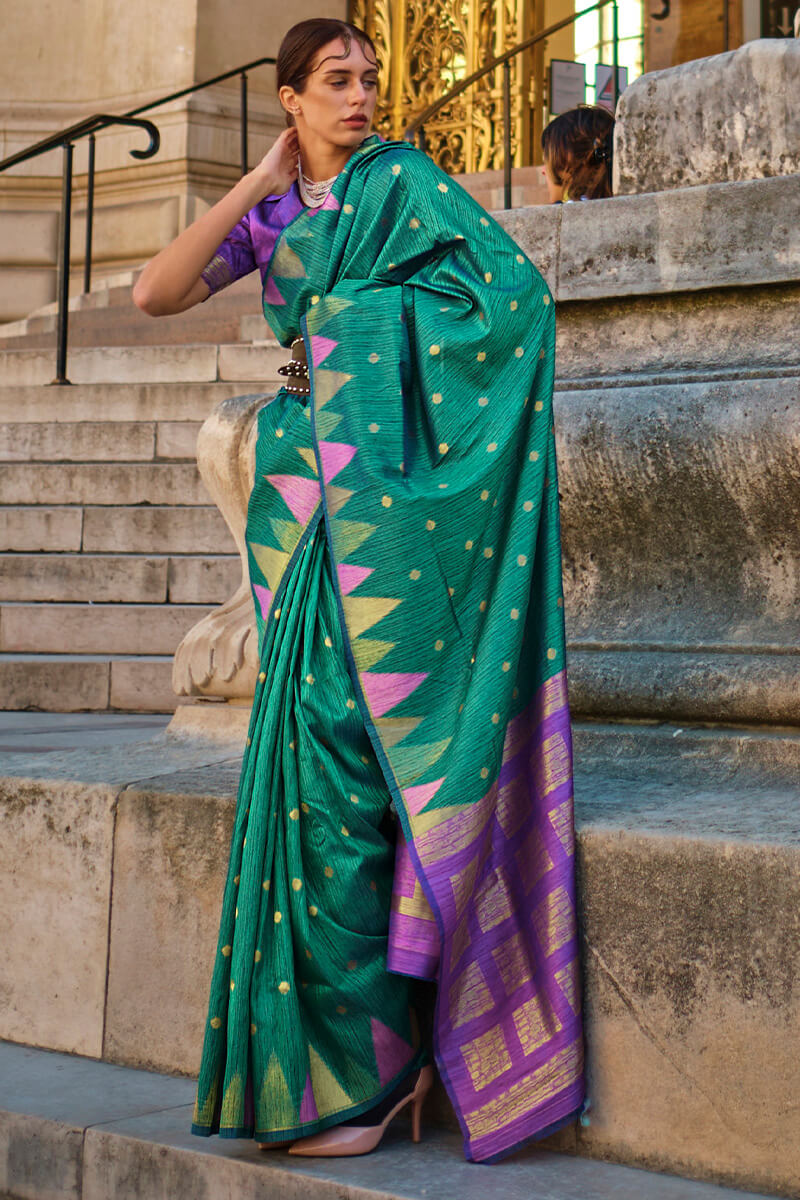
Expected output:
{"points": [[89, 127], [417, 126]]}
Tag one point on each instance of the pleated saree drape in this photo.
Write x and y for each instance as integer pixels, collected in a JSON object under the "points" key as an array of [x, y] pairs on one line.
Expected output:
{"points": [[405, 563]]}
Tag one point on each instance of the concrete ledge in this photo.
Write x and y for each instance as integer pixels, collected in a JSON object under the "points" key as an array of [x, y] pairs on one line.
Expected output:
{"points": [[689, 861], [78, 1130]]}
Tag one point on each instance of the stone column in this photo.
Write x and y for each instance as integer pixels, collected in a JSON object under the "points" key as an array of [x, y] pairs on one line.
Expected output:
{"points": [[62, 60]]}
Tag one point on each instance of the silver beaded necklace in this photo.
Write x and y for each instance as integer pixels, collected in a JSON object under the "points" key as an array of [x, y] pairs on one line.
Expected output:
{"points": [[313, 193]]}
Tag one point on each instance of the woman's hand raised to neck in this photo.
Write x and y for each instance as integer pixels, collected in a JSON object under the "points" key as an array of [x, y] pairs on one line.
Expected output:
{"points": [[334, 110]]}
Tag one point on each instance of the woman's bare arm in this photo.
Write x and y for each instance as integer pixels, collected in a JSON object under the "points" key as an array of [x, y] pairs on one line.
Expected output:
{"points": [[171, 282]]}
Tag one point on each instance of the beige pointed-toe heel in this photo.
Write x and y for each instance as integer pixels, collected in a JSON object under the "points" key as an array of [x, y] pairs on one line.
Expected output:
{"points": [[344, 1141]]}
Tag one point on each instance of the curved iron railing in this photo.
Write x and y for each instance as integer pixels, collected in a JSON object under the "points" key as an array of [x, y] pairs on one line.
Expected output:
{"points": [[89, 127], [417, 126]]}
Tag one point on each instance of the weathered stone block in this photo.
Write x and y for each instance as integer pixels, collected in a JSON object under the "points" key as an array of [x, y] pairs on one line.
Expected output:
{"points": [[101, 483], [114, 364], [195, 580], [39, 1159], [712, 120], [114, 401], [40, 528], [252, 362], [170, 861], [83, 577], [157, 530], [177, 439], [55, 882], [53, 684], [121, 441], [142, 685], [96, 628]]}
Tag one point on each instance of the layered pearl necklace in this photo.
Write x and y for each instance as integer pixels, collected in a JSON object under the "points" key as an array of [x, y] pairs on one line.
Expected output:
{"points": [[313, 194]]}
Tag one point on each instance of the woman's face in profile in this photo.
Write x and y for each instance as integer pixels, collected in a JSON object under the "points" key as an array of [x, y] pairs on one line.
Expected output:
{"points": [[338, 102]]}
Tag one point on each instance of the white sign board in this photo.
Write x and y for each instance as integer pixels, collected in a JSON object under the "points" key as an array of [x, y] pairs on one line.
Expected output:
{"points": [[603, 76], [567, 85]]}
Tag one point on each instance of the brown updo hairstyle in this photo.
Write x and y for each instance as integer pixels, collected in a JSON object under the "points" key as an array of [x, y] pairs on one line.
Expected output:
{"points": [[578, 147], [304, 40]]}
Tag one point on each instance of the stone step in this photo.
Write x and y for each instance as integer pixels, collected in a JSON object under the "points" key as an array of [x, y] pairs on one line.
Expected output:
{"points": [[120, 401], [689, 869], [143, 529], [97, 441], [74, 683], [96, 628], [84, 1130], [154, 529], [119, 578], [107, 483], [147, 364], [253, 328]]}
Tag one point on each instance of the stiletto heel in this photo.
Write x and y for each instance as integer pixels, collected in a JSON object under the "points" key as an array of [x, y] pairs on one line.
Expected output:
{"points": [[348, 1140]]}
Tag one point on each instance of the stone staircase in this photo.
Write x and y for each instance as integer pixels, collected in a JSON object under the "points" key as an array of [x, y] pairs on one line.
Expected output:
{"points": [[110, 547]]}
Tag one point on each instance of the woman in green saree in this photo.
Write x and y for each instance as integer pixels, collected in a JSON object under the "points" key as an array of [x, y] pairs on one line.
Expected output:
{"points": [[405, 804]]}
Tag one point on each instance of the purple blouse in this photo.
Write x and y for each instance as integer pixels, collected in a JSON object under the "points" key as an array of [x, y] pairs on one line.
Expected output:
{"points": [[252, 240]]}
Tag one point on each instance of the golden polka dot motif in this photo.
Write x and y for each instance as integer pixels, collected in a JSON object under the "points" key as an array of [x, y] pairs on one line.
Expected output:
{"points": [[347, 208], [351, 703], [551, 653], [522, 560], [513, 305], [262, 676], [415, 574], [265, 885], [487, 278], [233, 985], [297, 884], [443, 447], [438, 644], [484, 772], [495, 718], [373, 427], [345, 831], [484, 221], [294, 815], [236, 879], [545, 300], [542, 353], [396, 168], [328, 641], [437, 397], [279, 433], [434, 349], [277, 918], [309, 678], [490, 449], [257, 956], [514, 614], [308, 953], [315, 299], [483, 401], [215, 1022], [386, 501], [254, 1029], [528, 505], [341, 1010], [413, 223], [468, 545], [506, 666], [225, 952], [519, 352], [373, 885], [538, 406], [305, 807], [312, 910], [560, 602], [283, 987], [352, 965], [277, 613], [534, 456], [487, 551], [442, 187], [481, 356], [484, 494], [329, 872], [482, 606], [249, 741], [520, 258], [451, 591]]}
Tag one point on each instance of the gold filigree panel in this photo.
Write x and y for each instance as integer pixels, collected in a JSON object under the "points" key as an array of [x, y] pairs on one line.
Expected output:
{"points": [[428, 46]]}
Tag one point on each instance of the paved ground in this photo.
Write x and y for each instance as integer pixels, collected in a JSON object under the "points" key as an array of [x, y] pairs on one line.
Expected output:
{"points": [[38, 732], [80, 1128]]}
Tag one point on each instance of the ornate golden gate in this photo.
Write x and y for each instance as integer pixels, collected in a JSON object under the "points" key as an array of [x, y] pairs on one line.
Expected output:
{"points": [[427, 46]]}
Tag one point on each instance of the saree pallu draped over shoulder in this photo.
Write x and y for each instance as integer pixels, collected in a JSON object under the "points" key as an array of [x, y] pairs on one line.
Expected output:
{"points": [[420, 478]]}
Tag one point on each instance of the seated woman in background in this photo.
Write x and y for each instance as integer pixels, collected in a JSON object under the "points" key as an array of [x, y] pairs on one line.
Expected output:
{"points": [[578, 151]]}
